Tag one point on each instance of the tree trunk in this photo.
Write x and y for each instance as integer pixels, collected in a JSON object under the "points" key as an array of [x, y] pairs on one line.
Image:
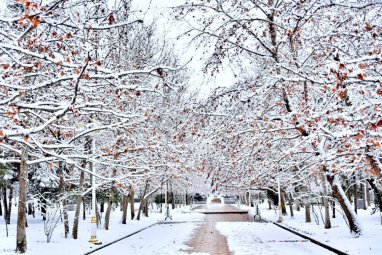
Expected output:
{"points": [[340, 195], [102, 205], [132, 209], [78, 205], [355, 194], [327, 223], [30, 208], [1, 207], [367, 193], [377, 193], [110, 203], [364, 195], [43, 208], [291, 206], [98, 215], [83, 208], [21, 241], [10, 197], [333, 210], [283, 207], [173, 200], [7, 217], [108, 209], [125, 201], [308, 219], [147, 207], [297, 201], [64, 201], [142, 200]]}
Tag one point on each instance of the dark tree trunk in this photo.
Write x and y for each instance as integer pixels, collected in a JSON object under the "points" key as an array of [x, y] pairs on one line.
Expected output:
{"points": [[21, 238], [43, 208], [291, 206], [125, 200], [1, 207], [6, 215], [83, 208], [10, 197], [283, 207], [147, 207], [78, 205], [102, 205], [30, 208], [109, 206], [308, 219], [173, 200], [333, 210], [132, 209], [339, 194], [377, 193], [141, 204]]}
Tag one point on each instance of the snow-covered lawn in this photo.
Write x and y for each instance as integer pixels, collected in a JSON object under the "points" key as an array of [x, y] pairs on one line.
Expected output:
{"points": [[252, 238], [161, 239], [36, 239], [338, 236]]}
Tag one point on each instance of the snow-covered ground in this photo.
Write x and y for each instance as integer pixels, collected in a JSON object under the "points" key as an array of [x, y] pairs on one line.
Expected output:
{"points": [[36, 239], [250, 238], [338, 236], [243, 237]]}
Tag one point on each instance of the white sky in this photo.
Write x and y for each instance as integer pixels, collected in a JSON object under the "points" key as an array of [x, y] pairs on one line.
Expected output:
{"points": [[160, 9]]}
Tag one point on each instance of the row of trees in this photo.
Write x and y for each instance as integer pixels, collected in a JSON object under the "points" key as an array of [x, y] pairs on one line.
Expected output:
{"points": [[306, 106], [90, 91]]}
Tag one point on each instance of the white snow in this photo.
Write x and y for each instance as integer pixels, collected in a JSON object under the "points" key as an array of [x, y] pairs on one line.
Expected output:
{"points": [[170, 238], [338, 236]]}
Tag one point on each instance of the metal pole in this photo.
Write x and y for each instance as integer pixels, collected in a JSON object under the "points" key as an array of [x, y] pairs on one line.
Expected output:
{"points": [[280, 219], [93, 221]]}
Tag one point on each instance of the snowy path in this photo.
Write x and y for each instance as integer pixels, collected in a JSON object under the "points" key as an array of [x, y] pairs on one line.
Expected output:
{"points": [[227, 233]]}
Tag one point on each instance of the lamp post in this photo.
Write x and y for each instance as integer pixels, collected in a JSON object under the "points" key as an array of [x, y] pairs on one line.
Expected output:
{"points": [[280, 219], [93, 220]]}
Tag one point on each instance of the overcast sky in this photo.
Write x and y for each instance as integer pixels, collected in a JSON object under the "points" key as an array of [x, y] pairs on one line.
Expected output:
{"points": [[161, 10]]}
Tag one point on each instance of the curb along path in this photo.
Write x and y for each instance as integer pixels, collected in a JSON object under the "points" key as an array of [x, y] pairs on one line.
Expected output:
{"points": [[310, 239]]}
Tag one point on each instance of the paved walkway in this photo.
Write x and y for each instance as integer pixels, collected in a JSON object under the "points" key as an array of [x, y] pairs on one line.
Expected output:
{"points": [[207, 239]]}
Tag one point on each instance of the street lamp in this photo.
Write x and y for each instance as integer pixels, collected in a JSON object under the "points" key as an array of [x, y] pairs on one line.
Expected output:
{"points": [[93, 220]]}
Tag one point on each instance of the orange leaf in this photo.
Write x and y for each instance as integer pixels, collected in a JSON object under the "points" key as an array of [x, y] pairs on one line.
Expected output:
{"points": [[35, 22]]}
